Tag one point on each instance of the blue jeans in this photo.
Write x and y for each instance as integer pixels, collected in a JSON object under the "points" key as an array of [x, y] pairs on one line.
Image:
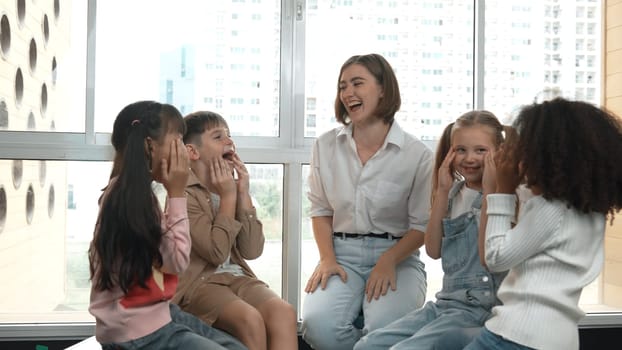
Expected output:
{"points": [[329, 315], [184, 332], [449, 326], [462, 305], [489, 340]]}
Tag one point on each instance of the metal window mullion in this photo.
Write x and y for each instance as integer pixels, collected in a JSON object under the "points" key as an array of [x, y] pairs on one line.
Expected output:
{"points": [[479, 25], [89, 111], [292, 134], [292, 216]]}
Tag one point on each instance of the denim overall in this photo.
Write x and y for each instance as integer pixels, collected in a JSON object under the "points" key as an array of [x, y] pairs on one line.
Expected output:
{"points": [[466, 283], [464, 302]]}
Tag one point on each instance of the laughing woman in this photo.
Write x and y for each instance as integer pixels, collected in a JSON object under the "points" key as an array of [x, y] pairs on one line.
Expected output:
{"points": [[370, 203]]}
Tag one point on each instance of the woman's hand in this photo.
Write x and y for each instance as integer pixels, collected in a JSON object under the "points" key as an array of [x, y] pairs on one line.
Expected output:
{"points": [[175, 169], [323, 271], [382, 277]]}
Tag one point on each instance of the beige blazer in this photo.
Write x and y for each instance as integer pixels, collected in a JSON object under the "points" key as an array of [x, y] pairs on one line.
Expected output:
{"points": [[214, 237]]}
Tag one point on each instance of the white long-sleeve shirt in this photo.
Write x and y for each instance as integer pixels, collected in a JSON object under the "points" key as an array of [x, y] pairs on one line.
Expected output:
{"points": [[552, 253]]}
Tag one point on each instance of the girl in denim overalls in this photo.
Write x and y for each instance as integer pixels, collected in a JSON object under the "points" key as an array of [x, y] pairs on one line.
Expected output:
{"points": [[469, 290]]}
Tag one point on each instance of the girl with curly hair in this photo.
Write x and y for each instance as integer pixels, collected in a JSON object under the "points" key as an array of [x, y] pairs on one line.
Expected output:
{"points": [[568, 155]]}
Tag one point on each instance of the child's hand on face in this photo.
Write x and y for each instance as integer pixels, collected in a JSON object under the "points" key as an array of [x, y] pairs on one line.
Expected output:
{"points": [[508, 175], [446, 173], [221, 177], [243, 181], [489, 177], [175, 169]]}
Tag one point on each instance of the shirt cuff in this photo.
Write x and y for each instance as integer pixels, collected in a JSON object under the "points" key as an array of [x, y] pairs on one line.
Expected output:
{"points": [[501, 204], [250, 214]]}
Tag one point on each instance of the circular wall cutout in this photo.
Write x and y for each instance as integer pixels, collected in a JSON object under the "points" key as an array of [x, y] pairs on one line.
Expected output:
{"points": [[2, 208], [21, 11], [42, 172], [32, 125], [5, 35], [56, 9], [45, 27], [18, 170], [44, 99], [51, 199], [32, 54], [19, 87], [30, 204], [53, 70], [4, 115]]}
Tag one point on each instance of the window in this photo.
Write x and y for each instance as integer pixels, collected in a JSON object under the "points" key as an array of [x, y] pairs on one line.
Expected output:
{"points": [[243, 61], [217, 55]]}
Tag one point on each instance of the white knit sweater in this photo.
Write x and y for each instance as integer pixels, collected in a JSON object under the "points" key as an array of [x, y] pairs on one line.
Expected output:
{"points": [[551, 254]]}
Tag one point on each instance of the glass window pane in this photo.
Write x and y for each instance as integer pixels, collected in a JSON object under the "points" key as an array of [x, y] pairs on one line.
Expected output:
{"points": [[428, 43], [43, 65], [544, 52], [267, 194], [216, 55]]}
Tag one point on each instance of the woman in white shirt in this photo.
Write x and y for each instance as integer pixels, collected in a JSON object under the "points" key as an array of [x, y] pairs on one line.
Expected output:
{"points": [[370, 202]]}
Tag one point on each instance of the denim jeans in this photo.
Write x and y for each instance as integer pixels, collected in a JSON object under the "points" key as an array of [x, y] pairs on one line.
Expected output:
{"points": [[464, 302], [329, 315], [489, 340], [184, 332], [450, 326]]}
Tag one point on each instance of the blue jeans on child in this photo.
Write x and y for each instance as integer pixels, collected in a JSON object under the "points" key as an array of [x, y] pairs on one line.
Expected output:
{"points": [[185, 331], [462, 305], [329, 315], [489, 340]]}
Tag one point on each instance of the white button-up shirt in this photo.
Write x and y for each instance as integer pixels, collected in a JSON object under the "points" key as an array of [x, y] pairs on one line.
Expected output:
{"points": [[390, 193]]}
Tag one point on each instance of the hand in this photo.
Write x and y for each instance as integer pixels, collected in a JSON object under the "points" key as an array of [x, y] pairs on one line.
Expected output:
{"points": [[221, 177], [243, 180], [508, 174], [175, 170], [323, 271], [446, 172], [382, 277], [489, 178]]}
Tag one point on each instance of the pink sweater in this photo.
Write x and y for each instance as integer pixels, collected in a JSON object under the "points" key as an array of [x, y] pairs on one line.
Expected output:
{"points": [[120, 318]]}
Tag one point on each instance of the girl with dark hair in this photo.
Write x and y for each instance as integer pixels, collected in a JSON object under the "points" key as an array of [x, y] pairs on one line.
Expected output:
{"points": [[568, 154], [369, 188], [469, 290], [137, 250]]}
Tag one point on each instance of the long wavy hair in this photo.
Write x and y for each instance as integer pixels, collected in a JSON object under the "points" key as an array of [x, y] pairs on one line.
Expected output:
{"points": [[128, 234]]}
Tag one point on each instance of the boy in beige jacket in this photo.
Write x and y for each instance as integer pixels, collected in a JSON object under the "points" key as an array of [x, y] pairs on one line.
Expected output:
{"points": [[219, 287]]}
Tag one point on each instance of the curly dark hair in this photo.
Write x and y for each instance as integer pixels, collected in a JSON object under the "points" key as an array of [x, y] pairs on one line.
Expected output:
{"points": [[571, 150]]}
